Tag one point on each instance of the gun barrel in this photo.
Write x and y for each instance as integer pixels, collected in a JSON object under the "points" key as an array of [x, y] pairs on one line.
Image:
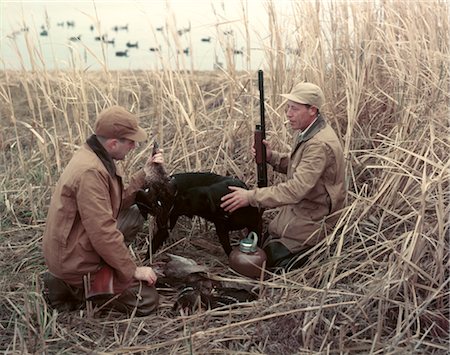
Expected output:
{"points": [[262, 113], [260, 135], [155, 148]]}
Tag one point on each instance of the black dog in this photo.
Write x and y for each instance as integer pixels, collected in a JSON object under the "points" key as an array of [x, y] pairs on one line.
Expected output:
{"points": [[196, 194]]}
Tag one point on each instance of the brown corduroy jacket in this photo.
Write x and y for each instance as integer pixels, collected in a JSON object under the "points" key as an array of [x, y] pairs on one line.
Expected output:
{"points": [[81, 231], [315, 188]]}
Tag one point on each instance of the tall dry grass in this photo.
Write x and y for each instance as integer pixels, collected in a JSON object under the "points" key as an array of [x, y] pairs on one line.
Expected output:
{"points": [[378, 284]]}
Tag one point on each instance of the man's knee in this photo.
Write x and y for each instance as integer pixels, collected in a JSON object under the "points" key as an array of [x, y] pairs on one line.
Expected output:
{"points": [[275, 252], [145, 299], [278, 256], [130, 223]]}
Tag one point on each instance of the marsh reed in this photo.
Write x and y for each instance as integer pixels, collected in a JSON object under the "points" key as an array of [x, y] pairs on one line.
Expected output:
{"points": [[378, 284]]}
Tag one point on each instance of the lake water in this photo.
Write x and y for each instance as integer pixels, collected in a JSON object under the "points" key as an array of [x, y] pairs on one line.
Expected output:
{"points": [[206, 28]]}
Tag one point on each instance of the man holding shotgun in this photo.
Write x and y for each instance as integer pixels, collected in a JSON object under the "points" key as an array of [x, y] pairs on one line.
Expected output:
{"points": [[314, 191]]}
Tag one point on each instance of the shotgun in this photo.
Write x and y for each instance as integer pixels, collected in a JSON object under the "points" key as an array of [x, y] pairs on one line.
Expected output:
{"points": [[260, 134]]}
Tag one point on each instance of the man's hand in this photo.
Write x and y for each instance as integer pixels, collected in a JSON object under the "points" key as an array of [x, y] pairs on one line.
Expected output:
{"points": [[145, 273], [236, 199], [268, 150], [157, 158]]}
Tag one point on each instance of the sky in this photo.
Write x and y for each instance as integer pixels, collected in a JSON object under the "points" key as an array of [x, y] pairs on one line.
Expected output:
{"points": [[203, 18]]}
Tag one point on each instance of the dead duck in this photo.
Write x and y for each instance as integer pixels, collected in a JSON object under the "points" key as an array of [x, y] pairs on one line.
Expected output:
{"points": [[196, 290]]}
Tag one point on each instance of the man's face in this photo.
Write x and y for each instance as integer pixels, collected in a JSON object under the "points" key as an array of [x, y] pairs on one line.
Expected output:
{"points": [[300, 116], [121, 147]]}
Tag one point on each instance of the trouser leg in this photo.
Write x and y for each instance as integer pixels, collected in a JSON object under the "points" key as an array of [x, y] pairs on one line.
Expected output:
{"points": [[139, 295], [130, 222], [278, 256]]}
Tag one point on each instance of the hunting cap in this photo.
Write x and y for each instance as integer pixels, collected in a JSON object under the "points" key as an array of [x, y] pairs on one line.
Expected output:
{"points": [[116, 122], [307, 94]]}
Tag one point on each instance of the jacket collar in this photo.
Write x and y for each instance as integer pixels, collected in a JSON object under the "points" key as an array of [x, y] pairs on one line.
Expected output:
{"points": [[102, 154], [311, 131], [317, 125]]}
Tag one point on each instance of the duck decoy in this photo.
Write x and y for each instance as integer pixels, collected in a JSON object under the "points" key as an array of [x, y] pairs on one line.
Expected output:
{"points": [[44, 33], [122, 53], [185, 51], [132, 45], [75, 38], [206, 39]]}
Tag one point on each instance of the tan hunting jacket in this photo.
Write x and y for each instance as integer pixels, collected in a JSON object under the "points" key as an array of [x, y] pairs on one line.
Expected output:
{"points": [[81, 230], [314, 189]]}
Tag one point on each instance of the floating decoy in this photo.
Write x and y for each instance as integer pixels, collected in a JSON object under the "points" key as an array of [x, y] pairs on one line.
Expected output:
{"points": [[184, 30], [159, 29], [124, 27], [101, 38], [91, 27], [132, 45], [75, 39], [122, 53], [206, 39], [60, 24], [295, 51], [110, 41], [228, 33], [154, 49], [44, 33], [70, 23], [116, 28], [238, 51], [185, 51]]}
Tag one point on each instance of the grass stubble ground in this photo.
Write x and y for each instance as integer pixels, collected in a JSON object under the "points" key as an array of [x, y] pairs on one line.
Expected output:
{"points": [[378, 284]]}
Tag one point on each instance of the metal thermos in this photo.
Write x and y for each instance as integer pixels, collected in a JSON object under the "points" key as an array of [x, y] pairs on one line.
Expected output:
{"points": [[248, 259]]}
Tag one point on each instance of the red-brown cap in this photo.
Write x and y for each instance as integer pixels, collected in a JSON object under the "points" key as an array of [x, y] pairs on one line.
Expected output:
{"points": [[116, 122]]}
